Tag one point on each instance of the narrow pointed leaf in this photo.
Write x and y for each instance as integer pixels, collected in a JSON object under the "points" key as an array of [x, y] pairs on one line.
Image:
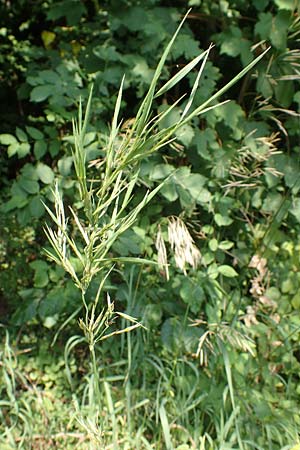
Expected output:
{"points": [[145, 107], [225, 88], [181, 74], [196, 84]]}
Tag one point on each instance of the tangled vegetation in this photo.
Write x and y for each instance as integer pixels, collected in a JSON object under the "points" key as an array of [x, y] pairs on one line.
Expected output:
{"points": [[150, 235]]}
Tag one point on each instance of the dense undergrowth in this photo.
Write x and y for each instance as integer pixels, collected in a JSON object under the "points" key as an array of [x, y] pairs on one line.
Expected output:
{"points": [[204, 328]]}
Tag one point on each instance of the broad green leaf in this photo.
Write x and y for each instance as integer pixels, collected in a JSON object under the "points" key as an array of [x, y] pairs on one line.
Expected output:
{"points": [[233, 44], [227, 271], [212, 271], [226, 245], [206, 143], [207, 258], [49, 76], [34, 133], [186, 46], [36, 207], [29, 307], [204, 196], [41, 93], [231, 113], [284, 92], [7, 139], [192, 294], [108, 53], [169, 333], [34, 81], [169, 191], [45, 173], [273, 293], [30, 186], [89, 138], [263, 26], [40, 268], [29, 171], [72, 10], [272, 202], [191, 181], [23, 149], [128, 243], [21, 135], [274, 28], [280, 25], [54, 148], [152, 315], [53, 303], [213, 245], [287, 286], [222, 221], [296, 301], [185, 134], [297, 99], [264, 86], [161, 171], [39, 149], [260, 5], [16, 202], [12, 149], [142, 70], [295, 209], [65, 165], [290, 5]]}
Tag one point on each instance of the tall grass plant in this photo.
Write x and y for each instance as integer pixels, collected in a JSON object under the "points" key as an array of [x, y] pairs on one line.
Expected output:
{"points": [[81, 238]]}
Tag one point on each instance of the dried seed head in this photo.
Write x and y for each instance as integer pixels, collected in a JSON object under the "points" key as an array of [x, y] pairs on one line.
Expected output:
{"points": [[185, 250]]}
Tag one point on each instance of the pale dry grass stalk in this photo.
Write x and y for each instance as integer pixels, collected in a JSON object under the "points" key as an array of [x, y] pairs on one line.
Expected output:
{"points": [[260, 282], [216, 333], [162, 258], [250, 162], [258, 287]]}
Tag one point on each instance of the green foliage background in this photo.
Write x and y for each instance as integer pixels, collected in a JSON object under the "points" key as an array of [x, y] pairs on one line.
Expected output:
{"points": [[236, 187]]}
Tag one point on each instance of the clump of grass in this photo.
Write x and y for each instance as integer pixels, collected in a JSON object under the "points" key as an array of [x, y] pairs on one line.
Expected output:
{"points": [[81, 242]]}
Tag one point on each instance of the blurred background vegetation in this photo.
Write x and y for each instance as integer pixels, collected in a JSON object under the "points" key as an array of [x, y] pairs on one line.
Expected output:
{"points": [[230, 381]]}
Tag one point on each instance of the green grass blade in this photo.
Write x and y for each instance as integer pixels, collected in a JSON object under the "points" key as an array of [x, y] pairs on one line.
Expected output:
{"points": [[181, 74], [196, 84], [165, 427], [129, 259], [117, 107], [111, 410], [231, 390], [114, 131], [144, 110], [86, 115], [225, 88]]}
